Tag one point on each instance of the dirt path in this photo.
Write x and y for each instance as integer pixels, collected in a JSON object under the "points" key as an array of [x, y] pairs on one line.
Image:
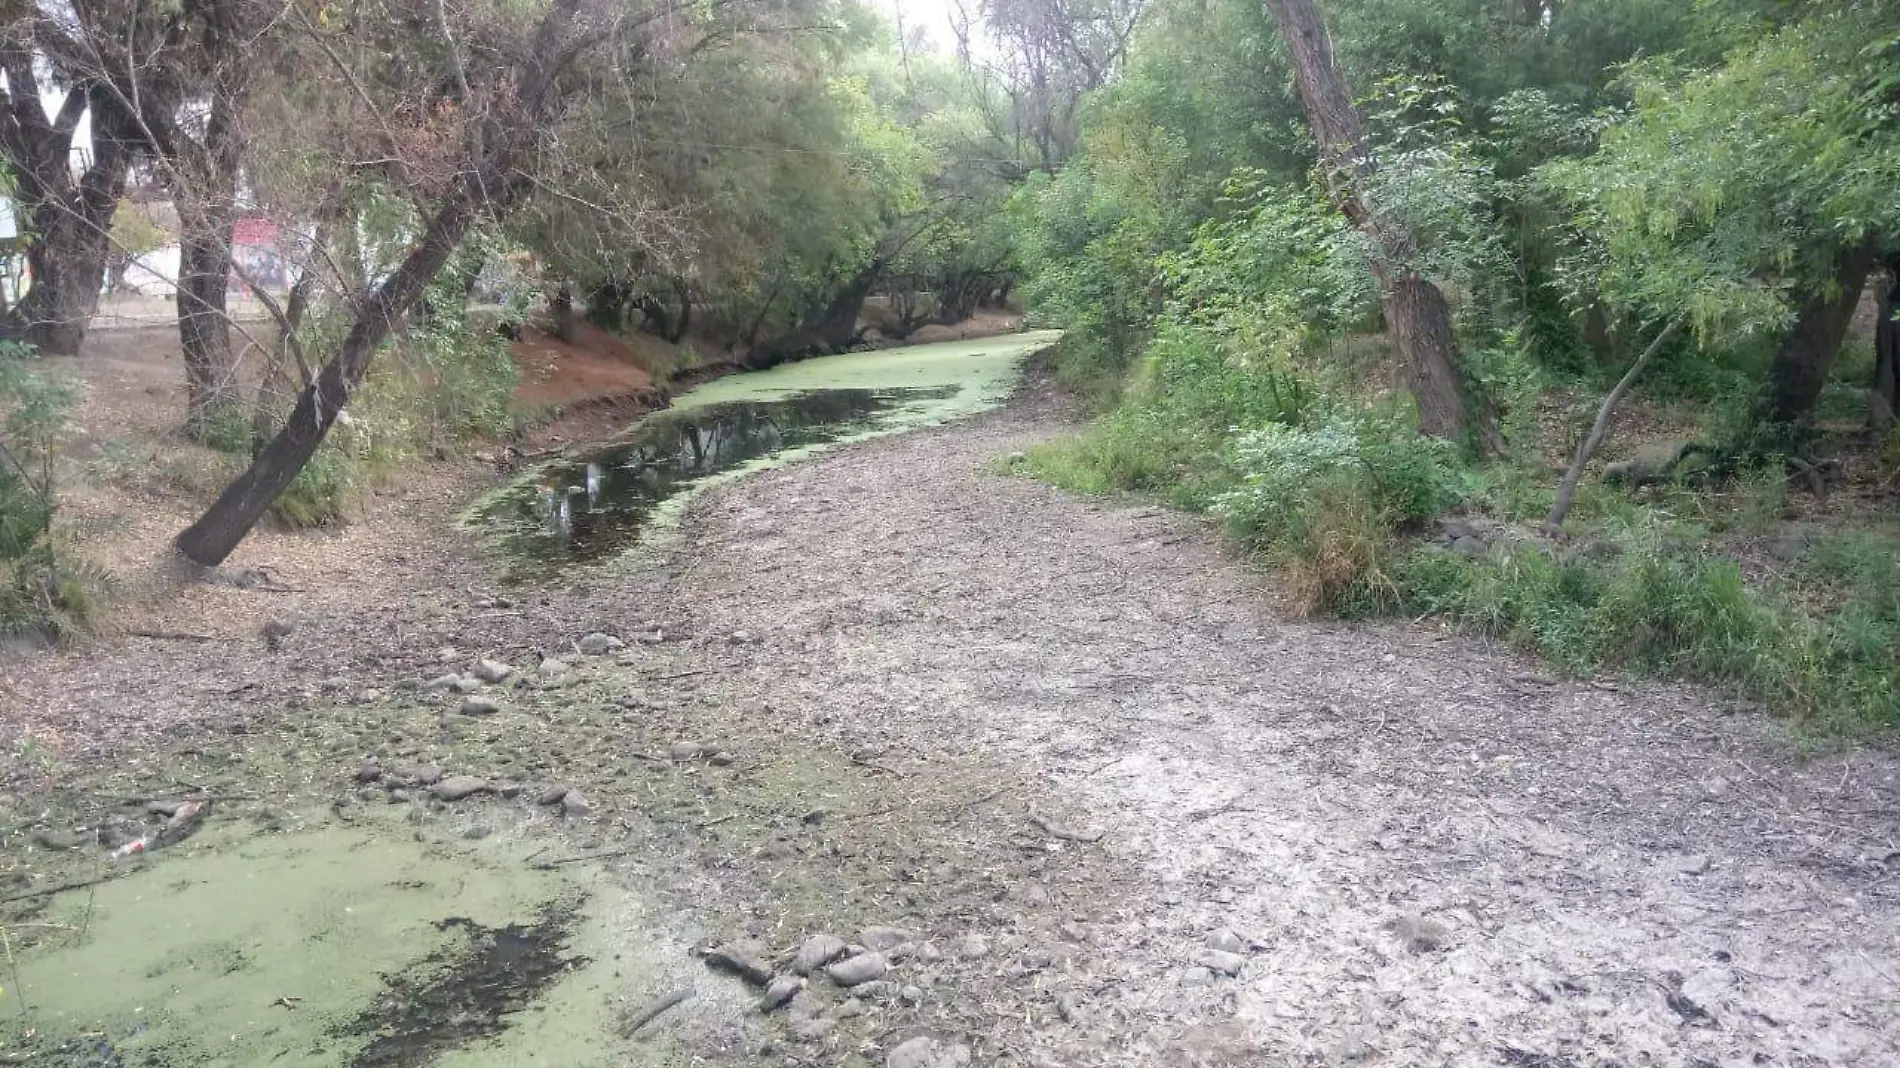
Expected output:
{"points": [[1075, 747], [1583, 874]]}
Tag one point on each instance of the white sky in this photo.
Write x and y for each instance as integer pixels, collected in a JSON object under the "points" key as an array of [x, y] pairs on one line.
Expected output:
{"points": [[935, 16]]}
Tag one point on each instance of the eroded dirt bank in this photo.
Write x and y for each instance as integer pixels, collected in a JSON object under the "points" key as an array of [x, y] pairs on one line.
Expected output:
{"points": [[1136, 816]]}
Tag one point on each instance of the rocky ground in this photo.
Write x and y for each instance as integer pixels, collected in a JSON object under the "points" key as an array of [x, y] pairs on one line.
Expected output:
{"points": [[962, 770]]}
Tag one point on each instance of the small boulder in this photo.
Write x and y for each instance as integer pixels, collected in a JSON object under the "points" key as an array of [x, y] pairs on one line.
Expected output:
{"points": [[926, 1052], [457, 787], [818, 951], [442, 682], [739, 961], [1225, 940], [371, 770], [478, 706], [597, 644], [879, 939], [780, 991], [859, 969], [575, 805], [553, 795], [59, 840], [972, 947], [1221, 962], [493, 671], [552, 668]]}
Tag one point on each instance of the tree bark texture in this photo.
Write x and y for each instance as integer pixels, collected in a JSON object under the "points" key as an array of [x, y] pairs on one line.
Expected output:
{"points": [[1417, 315], [204, 325], [1886, 400], [68, 220], [491, 181], [1805, 355]]}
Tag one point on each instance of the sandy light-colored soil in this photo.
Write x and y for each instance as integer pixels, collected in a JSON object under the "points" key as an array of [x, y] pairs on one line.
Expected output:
{"points": [[1139, 816]]}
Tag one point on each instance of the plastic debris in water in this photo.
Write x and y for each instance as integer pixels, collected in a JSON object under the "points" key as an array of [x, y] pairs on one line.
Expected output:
{"points": [[593, 483], [136, 845]]}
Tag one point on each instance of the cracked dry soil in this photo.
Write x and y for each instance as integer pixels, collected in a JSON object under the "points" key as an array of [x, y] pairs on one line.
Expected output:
{"points": [[1148, 819]]}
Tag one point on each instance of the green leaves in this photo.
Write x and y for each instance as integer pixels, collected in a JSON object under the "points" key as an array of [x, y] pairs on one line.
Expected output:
{"points": [[1723, 189]]}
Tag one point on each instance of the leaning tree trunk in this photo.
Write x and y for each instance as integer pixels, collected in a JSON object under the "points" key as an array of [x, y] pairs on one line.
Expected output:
{"points": [[1807, 353], [1886, 400], [243, 502], [491, 181], [204, 326], [1416, 313]]}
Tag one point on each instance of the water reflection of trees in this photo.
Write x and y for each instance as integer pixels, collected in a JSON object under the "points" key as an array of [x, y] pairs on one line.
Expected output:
{"points": [[586, 510]]}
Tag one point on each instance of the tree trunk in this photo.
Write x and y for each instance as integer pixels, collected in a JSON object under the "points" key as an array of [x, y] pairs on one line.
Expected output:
{"points": [[827, 328], [1567, 489], [275, 392], [489, 180], [1886, 399], [1419, 320], [209, 540], [204, 328], [69, 222], [1416, 313], [1803, 358], [561, 311]]}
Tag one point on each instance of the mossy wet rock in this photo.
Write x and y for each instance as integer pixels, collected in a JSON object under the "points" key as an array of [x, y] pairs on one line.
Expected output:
{"points": [[478, 706]]}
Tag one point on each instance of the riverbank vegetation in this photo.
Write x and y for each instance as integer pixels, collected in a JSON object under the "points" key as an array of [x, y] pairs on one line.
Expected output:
{"points": [[1373, 340], [367, 207]]}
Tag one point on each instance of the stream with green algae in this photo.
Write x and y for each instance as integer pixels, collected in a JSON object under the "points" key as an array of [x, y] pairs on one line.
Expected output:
{"points": [[342, 945], [594, 505]]}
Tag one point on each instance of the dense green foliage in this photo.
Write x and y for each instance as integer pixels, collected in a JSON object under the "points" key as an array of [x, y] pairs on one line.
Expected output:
{"points": [[1574, 176]]}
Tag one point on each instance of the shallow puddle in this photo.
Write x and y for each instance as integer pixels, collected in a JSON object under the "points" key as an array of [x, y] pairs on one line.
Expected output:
{"points": [[339, 946], [596, 505]]}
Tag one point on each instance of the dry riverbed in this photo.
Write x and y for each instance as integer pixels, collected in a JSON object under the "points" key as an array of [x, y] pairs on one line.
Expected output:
{"points": [[1028, 780]]}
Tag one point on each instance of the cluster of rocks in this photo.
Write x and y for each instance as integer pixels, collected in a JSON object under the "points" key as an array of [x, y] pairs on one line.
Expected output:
{"points": [[158, 822], [473, 685], [827, 980], [405, 780]]}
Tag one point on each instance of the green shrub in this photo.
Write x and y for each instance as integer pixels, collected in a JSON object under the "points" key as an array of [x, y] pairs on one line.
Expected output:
{"points": [[1638, 599], [44, 588]]}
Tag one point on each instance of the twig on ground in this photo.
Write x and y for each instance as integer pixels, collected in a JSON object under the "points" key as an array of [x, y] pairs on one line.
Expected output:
{"points": [[49, 891], [579, 857], [727, 818], [170, 635], [657, 1009]]}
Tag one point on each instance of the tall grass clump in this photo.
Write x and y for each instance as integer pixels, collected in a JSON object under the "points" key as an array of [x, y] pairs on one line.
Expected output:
{"points": [[45, 587]]}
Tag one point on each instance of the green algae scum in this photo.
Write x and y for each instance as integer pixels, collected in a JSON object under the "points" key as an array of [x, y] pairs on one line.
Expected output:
{"points": [[338, 945], [593, 506]]}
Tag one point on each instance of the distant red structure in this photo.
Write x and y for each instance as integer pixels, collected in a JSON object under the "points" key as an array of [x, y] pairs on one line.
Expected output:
{"points": [[258, 253]]}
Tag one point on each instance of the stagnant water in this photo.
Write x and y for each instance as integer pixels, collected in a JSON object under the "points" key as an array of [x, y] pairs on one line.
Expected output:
{"points": [[594, 505], [334, 945]]}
